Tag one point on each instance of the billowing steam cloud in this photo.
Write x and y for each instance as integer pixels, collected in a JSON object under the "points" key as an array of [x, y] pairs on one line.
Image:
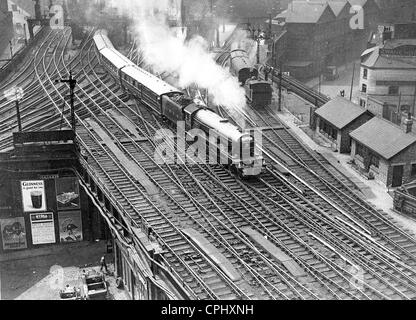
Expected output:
{"points": [[190, 61]]}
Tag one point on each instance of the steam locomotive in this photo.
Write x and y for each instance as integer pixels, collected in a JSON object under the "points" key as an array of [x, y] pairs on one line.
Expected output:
{"points": [[172, 104], [258, 92]]}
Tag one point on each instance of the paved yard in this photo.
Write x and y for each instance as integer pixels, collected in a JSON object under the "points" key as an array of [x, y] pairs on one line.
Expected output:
{"points": [[333, 88], [41, 277]]}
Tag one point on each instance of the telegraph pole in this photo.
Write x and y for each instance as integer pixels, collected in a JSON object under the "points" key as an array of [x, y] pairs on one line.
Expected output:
{"points": [[258, 50], [11, 49], [352, 80], [414, 102], [279, 106], [19, 121], [72, 84]]}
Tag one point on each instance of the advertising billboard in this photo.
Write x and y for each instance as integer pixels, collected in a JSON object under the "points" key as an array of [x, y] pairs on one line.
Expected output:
{"points": [[43, 228], [13, 233], [33, 196], [67, 193], [70, 226]]}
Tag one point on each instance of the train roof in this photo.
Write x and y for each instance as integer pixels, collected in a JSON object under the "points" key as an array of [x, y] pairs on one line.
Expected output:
{"points": [[149, 80], [102, 41], [241, 62], [115, 57], [221, 125]]}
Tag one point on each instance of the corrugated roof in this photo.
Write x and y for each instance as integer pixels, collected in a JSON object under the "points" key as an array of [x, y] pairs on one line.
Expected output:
{"points": [[340, 112], [303, 12], [383, 137]]}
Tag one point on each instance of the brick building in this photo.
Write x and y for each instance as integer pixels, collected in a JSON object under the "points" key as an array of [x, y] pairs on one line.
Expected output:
{"points": [[319, 33], [6, 26], [385, 151], [310, 27], [388, 75], [393, 11], [336, 119]]}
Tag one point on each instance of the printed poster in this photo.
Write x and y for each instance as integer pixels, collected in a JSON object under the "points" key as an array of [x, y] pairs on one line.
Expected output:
{"points": [[13, 233], [43, 228], [67, 193], [33, 194], [70, 226]]}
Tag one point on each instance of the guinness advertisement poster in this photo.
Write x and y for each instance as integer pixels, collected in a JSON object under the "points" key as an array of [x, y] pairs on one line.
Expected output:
{"points": [[43, 228], [13, 233], [70, 226], [33, 196], [67, 193]]}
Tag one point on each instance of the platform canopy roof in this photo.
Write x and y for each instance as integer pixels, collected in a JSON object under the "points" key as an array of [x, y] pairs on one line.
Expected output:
{"points": [[383, 137], [340, 112]]}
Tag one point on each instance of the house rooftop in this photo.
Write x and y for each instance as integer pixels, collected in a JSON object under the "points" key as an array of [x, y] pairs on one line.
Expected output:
{"points": [[383, 137], [340, 112]]}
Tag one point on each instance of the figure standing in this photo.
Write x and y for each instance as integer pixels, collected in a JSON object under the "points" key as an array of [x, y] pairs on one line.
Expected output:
{"points": [[103, 264]]}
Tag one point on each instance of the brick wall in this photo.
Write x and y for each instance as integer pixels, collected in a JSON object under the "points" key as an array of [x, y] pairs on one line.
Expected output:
{"points": [[403, 78], [384, 173], [344, 143], [6, 26]]}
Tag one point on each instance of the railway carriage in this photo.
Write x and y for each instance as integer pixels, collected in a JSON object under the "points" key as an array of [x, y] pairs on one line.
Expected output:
{"points": [[101, 40], [148, 88], [174, 105], [241, 66], [258, 92]]}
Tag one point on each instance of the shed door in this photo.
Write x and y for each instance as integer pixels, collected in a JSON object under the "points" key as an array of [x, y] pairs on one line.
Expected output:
{"points": [[397, 176]]}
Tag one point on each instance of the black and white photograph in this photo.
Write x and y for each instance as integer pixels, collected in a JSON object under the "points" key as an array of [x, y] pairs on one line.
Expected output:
{"points": [[208, 157], [67, 193]]}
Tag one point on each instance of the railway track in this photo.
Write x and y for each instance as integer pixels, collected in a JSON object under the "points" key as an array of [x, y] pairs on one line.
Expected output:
{"points": [[211, 200], [378, 277]]}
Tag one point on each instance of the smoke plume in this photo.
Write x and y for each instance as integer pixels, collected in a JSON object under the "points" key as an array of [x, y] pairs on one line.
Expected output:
{"points": [[189, 60]]}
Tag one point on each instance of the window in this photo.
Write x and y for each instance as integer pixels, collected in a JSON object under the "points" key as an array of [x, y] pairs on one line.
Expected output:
{"points": [[394, 90], [362, 103], [364, 88], [374, 160], [413, 173], [360, 150], [365, 73], [405, 108]]}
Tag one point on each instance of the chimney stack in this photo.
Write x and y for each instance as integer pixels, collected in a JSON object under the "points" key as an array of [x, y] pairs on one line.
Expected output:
{"points": [[408, 123]]}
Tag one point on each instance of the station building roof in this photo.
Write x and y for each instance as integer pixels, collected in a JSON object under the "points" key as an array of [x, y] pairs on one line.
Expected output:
{"points": [[304, 12], [383, 137], [376, 58], [336, 5], [340, 112]]}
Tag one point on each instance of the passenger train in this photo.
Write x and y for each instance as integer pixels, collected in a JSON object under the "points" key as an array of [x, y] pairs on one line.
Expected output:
{"points": [[259, 92], [173, 105]]}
